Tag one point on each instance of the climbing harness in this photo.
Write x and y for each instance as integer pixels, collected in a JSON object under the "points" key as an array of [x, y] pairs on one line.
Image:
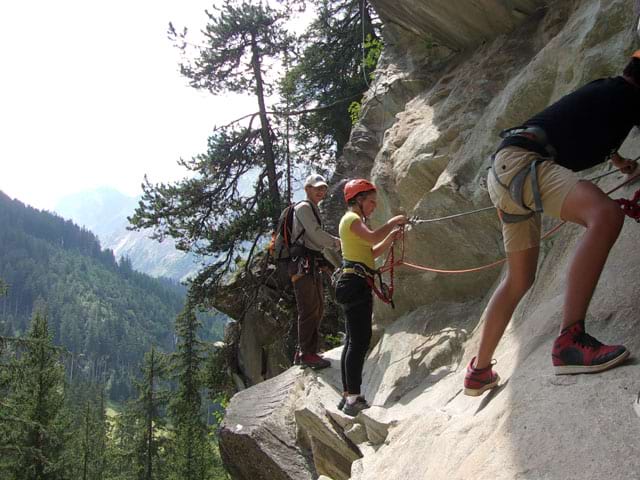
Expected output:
{"points": [[535, 140], [384, 292]]}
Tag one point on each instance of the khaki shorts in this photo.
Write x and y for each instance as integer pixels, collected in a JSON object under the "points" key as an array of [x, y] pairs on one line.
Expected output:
{"points": [[555, 183]]}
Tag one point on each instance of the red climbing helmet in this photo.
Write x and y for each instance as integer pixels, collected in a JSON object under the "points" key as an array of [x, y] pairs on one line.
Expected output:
{"points": [[356, 186]]}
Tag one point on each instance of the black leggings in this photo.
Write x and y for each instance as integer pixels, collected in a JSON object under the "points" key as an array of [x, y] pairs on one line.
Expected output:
{"points": [[354, 295]]}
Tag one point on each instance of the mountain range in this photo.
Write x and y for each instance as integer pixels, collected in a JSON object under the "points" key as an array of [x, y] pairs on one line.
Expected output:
{"points": [[104, 212]]}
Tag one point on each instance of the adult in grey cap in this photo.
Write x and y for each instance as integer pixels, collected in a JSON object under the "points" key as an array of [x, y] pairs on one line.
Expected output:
{"points": [[305, 271]]}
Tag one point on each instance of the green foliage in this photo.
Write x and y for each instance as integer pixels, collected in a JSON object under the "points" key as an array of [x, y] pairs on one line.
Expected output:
{"points": [[333, 341], [330, 72], [211, 212], [373, 48], [87, 448], [141, 445], [53, 429], [355, 109], [217, 379], [208, 213], [239, 34], [34, 426], [99, 309], [194, 452]]}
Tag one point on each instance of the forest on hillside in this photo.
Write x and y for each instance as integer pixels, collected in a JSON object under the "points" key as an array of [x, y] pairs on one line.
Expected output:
{"points": [[104, 372], [105, 314], [79, 327]]}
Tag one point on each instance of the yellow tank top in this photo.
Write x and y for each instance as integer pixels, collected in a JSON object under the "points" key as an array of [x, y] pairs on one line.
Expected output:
{"points": [[354, 248]]}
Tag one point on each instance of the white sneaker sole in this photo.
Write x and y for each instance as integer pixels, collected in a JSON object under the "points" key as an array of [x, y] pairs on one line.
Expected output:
{"points": [[575, 369], [476, 392]]}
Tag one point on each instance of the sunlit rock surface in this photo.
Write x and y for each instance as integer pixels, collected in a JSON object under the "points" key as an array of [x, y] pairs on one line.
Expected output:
{"points": [[429, 126]]}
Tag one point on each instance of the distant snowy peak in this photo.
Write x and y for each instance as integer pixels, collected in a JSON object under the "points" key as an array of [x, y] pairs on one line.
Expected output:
{"points": [[104, 211]]}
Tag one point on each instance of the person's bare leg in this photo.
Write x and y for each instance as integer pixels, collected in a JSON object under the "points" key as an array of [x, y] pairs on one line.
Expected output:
{"points": [[588, 206], [521, 273]]}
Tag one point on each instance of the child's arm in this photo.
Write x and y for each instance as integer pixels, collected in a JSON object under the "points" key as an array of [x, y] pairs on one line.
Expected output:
{"points": [[382, 247], [379, 235]]}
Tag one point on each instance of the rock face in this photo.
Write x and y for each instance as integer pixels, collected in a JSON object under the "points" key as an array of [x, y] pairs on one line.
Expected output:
{"points": [[447, 23], [429, 125]]}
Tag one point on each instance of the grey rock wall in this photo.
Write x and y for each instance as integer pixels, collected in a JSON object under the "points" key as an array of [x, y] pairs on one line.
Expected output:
{"points": [[428, 127], [459, 25]]}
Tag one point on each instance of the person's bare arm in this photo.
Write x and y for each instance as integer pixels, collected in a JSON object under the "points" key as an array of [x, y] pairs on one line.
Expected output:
{"points": [[378, 235], [382, 247]]}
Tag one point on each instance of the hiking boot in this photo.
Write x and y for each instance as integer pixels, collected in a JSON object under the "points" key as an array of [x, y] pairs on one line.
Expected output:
{"points": [[313, 360], [355, 408], [575, 351], [479, 380]]}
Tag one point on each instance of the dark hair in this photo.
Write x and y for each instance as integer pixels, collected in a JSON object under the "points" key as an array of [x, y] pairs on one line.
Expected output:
{"points": [[354, 201], [632, 70]]}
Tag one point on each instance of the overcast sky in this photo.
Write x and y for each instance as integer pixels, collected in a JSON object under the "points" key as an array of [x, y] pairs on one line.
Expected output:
{"points": [[90, 95]]}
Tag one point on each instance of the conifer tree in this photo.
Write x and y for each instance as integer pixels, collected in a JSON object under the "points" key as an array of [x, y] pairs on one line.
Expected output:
{"points": [[139, 441], [151, 401], [214, 212], [35, 423], [87, 452], [340, 51], [191, 450]]}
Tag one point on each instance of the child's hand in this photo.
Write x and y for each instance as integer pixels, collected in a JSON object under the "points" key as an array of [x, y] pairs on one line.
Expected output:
{"points": [[399, 220]]}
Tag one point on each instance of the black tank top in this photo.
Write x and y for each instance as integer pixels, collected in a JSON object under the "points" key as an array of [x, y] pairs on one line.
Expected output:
{"points": [[587, 125]]}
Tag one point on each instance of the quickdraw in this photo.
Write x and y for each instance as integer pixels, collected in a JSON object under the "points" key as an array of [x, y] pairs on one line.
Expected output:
{"points": [[631, 208]]}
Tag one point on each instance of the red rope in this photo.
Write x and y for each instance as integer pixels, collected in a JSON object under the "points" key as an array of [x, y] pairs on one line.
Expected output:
{"points": [[630, 207]]}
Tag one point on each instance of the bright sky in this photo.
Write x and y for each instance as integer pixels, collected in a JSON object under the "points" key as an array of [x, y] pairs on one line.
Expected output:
{"points": [[90, 95]]}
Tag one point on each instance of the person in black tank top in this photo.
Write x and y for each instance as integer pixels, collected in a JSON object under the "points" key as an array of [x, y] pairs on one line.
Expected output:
{"points": [[582, 129]]}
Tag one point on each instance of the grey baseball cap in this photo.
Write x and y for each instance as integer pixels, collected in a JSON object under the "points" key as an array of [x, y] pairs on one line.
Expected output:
{"points": [[315, 180]]}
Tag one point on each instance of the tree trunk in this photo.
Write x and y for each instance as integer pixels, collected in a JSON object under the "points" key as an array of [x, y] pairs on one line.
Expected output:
{"points": [[269, 157]]}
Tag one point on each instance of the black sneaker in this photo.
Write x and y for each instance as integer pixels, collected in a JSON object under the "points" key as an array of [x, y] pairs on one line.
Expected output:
{"points": [[354, 409]]}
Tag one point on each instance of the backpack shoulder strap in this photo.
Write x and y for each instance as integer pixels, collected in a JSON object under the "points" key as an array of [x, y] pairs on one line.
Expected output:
{"points": [[315, 213]]}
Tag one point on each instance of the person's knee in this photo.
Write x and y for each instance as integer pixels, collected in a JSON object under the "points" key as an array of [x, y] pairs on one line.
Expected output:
{"points": [[360, 344], [608, 217], [518, 284]]}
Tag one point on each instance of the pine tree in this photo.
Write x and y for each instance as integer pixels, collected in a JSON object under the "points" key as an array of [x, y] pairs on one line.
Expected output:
{"points": [[140, 445], [151, 401], [191, 451], [340, 52], [36, 425], [86, 450], [211, 213]]}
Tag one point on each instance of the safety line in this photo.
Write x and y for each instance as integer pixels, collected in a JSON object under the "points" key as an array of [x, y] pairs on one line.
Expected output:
{"points": [[497, 262], [419, 221]]}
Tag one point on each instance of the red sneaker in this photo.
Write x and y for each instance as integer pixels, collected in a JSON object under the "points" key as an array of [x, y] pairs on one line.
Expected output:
{"points": [[479, 380], [575, 351], [313, 360]]}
